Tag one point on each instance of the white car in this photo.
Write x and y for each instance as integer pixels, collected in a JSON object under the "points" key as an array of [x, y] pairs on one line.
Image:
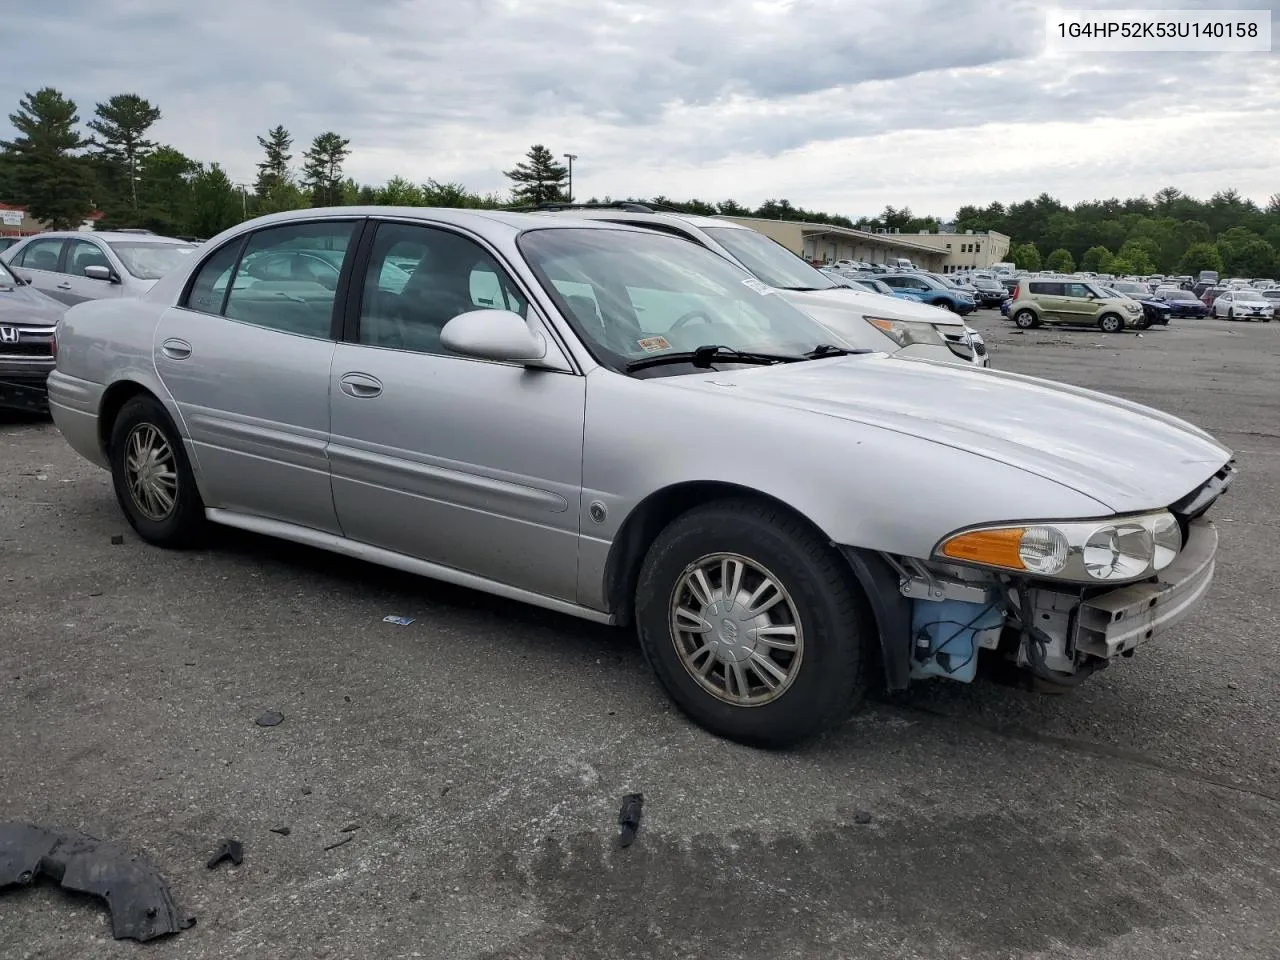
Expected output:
{"points": [[857, 317], [74, 266], [1243, 304]]}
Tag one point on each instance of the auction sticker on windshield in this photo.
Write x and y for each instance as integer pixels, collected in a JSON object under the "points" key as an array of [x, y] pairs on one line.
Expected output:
{"points": [[653, 344], [757, 286]]}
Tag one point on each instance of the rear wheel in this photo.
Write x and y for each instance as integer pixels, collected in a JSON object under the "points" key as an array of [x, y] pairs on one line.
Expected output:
{"points": [[152, 477], [1231, 313], [1111, 323], [752, 623], [1026, 319]]}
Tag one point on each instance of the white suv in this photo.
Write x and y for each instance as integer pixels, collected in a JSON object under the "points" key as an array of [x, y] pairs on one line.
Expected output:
{"points": [[858, 317]]}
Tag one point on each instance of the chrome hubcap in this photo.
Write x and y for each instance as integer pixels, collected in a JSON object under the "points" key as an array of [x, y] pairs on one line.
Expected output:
{"points": [[151, 472], [736, 629]]}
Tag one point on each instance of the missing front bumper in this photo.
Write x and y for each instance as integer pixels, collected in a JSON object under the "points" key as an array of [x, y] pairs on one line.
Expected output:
{"points": [[1116, 622]]}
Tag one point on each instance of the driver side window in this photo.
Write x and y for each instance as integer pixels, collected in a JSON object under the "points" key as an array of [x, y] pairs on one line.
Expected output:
{"points": [[419, 278]]}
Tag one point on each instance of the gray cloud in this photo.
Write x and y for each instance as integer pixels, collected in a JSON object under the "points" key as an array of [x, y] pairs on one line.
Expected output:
{"points": [[640, 89]]}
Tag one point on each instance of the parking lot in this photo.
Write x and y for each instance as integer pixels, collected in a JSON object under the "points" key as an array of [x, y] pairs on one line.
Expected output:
{"points": [[480, 752]]}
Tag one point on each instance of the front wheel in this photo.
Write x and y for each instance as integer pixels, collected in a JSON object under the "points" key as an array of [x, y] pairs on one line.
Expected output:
{"points": [[1111, 323], [752, 623], [1025, 319], [152, 477]]}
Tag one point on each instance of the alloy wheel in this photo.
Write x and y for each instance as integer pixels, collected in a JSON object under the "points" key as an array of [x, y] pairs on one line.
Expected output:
{"points": [[151, 471]]}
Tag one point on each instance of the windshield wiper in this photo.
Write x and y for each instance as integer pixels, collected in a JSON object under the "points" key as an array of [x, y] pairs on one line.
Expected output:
{"points": [[831, 350], [707, 354]]}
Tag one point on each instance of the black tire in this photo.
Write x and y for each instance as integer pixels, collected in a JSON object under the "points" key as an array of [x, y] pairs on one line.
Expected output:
{"points": [[183, 523], [1231, 313], [1111, 323], [834, 625], [1025, 319], [945, 305], [1143, 324]]}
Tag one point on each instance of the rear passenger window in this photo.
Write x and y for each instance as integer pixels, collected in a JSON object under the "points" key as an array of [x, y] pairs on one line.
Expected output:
{"points": [[299, 299], [210, 287]]}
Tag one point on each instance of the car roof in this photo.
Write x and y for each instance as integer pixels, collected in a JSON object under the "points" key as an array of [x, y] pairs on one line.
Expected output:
{"points": [[103, 235], [622, 214], [517, 221]]}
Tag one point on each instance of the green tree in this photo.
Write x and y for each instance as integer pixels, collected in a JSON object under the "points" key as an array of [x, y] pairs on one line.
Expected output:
{"points": [[1060, 261], [1094, 259], [1120, 267], [120, 126], [215, 202], [46, 174], [1253, 258], [399, 192], [1025, 256], [538, 178], [167, 174], [274, 175], [1140, 254], [322, 169], [1200, 256]]}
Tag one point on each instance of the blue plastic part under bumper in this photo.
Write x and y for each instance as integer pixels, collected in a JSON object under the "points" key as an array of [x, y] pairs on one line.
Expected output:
{"points": [[947, 634]]}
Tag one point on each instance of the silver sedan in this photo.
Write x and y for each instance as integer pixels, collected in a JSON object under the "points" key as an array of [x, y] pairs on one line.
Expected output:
{"points": [[622, 426]]}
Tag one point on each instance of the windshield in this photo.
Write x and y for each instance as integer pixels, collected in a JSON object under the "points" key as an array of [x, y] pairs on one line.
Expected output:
{"points": [[1247, 296], [876, 286], [769, 260], [151, 261], [630, 295], [1130, 288], [7, 279], [1177, 294]]}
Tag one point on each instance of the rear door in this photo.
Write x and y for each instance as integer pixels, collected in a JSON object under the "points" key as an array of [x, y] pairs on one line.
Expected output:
{"points": [[248, 361], [1050, 297], [41, 261]]}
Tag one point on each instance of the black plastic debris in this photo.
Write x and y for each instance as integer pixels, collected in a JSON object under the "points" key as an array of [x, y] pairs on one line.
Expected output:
{"points": [[272, 718], [283, 831], [350, 828], [629, 817], [117, 540], [861, 817], [141, 905], [346, 838], [228, 849]]}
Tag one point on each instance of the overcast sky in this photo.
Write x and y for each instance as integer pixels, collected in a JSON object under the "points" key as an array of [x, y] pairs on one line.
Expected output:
{"points": [[839, 105]]}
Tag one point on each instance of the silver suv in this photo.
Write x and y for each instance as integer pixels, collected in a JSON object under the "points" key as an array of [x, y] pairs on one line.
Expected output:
{"points": [[859, 317], [74, 266]]}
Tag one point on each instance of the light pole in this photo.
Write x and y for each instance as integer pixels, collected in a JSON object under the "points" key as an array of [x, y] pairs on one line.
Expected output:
{"points": [[244, 200], [571, 157]]}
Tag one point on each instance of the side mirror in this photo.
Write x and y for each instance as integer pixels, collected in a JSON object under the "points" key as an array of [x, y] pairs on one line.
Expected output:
{"points": [[493, 335], [24, 278], [99, 272]]}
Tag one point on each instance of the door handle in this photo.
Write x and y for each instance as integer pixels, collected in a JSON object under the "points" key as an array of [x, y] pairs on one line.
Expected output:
{"points": [[176, 349], [360, 385]]}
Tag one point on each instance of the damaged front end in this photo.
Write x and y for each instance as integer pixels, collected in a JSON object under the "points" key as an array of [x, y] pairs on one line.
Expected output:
{"points": [[141, 905], [1056, 625]]}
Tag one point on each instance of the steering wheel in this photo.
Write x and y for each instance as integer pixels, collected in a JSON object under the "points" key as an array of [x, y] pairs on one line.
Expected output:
{"points": [[689, 317]]}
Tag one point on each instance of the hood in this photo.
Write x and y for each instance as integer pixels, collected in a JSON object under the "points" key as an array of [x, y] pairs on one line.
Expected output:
{"points": [[26, 304], [1124, 455], [864, 303]]}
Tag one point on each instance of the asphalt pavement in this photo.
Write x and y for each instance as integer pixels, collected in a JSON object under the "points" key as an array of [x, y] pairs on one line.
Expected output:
{"points": [[478, 755]]}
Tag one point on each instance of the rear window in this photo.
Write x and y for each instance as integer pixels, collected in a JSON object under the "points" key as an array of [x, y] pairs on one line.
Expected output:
{"points": [[1048, 289]]}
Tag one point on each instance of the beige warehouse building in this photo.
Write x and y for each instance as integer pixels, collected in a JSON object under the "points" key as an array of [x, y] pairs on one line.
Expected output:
{"points": [[936, 252]]}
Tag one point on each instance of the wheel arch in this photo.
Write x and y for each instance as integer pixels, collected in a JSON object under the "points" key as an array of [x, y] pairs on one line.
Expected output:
{"points": [[889, 609], [113, 400]]}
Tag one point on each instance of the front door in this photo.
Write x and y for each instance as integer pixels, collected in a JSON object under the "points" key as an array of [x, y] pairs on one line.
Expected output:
{"points": [[471, 464], [248, 362], [75, 286], [1079, 304]]}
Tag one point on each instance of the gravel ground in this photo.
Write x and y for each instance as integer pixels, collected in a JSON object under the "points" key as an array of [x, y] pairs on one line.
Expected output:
{"points": [[481, 752]]}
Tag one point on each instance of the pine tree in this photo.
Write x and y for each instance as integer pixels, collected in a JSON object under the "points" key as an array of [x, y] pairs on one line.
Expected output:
{"points": [[121, 126], [322, 169], [47, 177], [273, 171], [538, 179]]}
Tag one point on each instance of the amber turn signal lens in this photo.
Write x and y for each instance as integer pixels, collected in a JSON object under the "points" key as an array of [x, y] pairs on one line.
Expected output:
{"points": [[996, 548]]}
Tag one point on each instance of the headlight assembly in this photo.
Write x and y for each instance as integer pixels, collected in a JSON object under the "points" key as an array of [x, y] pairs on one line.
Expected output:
{"points": [[1091, 551], [906, 332]]}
